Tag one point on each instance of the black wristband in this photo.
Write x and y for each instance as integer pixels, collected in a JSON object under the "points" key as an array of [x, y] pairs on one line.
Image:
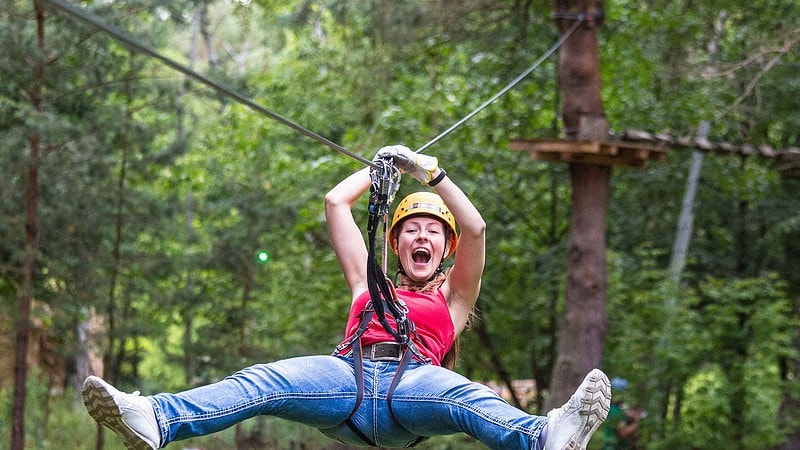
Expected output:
{"points": [[438, 178]]}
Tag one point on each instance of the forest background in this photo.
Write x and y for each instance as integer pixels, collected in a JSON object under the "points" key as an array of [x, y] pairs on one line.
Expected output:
{"points": [[179, 236]]}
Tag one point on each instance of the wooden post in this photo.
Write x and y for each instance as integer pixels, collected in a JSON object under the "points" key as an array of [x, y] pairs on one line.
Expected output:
{"points": [[583, 326], [686, 219]]}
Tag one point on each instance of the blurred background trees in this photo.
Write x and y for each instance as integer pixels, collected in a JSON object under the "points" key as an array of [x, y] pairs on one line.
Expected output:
{"points": [[156, 196]]}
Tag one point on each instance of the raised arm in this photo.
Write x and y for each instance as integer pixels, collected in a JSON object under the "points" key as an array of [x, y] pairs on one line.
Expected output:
{"points": [[348, 242], [463, 282]]}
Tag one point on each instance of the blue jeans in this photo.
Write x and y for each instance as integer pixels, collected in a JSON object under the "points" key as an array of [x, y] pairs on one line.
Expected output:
{"points": [[320, 391]]}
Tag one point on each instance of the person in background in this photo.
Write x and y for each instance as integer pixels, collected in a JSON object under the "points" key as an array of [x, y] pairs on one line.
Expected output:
{"points": [[621, 427]]}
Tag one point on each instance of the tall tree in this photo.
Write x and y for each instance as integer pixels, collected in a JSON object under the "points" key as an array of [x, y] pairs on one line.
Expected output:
{"points": [[28, 270], [583, 326]]}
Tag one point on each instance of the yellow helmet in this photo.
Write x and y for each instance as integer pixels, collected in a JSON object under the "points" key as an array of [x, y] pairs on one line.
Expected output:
{"points": [[425, 204]]}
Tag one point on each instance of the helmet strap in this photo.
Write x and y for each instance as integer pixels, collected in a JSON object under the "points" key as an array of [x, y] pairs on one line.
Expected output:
{"points": [[400, 271], [438, 270]]}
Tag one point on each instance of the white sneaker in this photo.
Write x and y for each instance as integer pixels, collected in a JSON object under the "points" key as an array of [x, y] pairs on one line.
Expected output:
{"points": [[131, 416], [571, 426]]}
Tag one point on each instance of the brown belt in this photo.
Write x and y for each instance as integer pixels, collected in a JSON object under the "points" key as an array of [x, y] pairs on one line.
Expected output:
{"points": [[383, 351]]}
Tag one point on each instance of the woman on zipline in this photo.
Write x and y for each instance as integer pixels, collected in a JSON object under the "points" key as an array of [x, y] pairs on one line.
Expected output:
{"points": [[384, 385]]}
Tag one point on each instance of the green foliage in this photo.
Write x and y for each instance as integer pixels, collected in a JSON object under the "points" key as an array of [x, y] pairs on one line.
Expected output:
{"points": [[52, 421], [189, 186], [715, 351], [706, 413]]}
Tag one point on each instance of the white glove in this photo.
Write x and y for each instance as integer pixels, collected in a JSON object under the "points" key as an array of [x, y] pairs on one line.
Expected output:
{"points": [[419, 166]]}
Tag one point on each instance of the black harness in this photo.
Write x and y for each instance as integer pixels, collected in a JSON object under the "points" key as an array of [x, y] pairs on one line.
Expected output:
{"points": [[383, 299]]}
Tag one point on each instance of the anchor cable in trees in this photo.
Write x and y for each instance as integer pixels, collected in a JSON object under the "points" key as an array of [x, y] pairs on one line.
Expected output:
{"points": [[514, 82], [136, 45], [224, 90]]}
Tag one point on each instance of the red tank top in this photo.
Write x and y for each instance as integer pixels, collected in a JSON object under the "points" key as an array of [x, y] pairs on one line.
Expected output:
{"points": [[427, 310]]}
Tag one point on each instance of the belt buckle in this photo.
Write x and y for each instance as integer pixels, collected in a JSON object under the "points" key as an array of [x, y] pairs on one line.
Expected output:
{"points": [[382, 357]]}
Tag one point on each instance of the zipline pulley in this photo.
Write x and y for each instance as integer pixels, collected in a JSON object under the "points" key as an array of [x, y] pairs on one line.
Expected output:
{"points": [[385, 180]]}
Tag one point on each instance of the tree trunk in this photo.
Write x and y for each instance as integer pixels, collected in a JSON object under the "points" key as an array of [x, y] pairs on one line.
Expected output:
{"points": [[23, 325], [114, 354], [583, 327], [241, 438], [87, 357], [111, 363]]}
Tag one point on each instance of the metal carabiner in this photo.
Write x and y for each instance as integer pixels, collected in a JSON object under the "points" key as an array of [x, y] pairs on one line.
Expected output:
{"points": [[385, 183], [385, 179]]}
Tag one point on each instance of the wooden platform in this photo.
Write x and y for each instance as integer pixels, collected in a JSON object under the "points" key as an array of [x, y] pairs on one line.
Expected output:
{"points": [[609, 153]]}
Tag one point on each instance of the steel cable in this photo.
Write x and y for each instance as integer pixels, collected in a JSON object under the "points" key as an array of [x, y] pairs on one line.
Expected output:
{"points": [[510, 85], [138, 46], [224, 90]]}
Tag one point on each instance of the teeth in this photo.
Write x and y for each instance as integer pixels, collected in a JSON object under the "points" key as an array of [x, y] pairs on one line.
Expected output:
{"points": [[421, 255]]}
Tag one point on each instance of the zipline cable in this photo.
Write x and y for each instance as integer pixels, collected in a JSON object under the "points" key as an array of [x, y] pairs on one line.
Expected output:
{"points": [[137, 46], [578, 20]]}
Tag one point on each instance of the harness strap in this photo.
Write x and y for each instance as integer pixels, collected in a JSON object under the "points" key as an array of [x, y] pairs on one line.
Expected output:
{"points": [[358, 361], [358, 367], [398, 374], [366, 316], [383, 297], [354, 342]]}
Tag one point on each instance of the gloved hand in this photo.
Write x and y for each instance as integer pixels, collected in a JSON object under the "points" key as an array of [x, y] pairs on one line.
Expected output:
{"points": [[419, 166]]}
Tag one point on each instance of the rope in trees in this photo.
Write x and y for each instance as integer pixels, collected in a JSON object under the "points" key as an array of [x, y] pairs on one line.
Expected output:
{"points": [[136, 45], [578, 20]]}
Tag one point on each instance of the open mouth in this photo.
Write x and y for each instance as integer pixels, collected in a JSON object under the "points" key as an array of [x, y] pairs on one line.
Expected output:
{"points": [[421, 256]]}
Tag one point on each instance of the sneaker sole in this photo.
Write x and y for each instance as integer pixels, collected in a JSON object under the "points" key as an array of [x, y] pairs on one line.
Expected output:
{"points": [[101, 407], [595, 404]]}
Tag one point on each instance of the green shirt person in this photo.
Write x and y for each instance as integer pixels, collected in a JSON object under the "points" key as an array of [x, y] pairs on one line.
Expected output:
{"points": [[620, 428]]}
